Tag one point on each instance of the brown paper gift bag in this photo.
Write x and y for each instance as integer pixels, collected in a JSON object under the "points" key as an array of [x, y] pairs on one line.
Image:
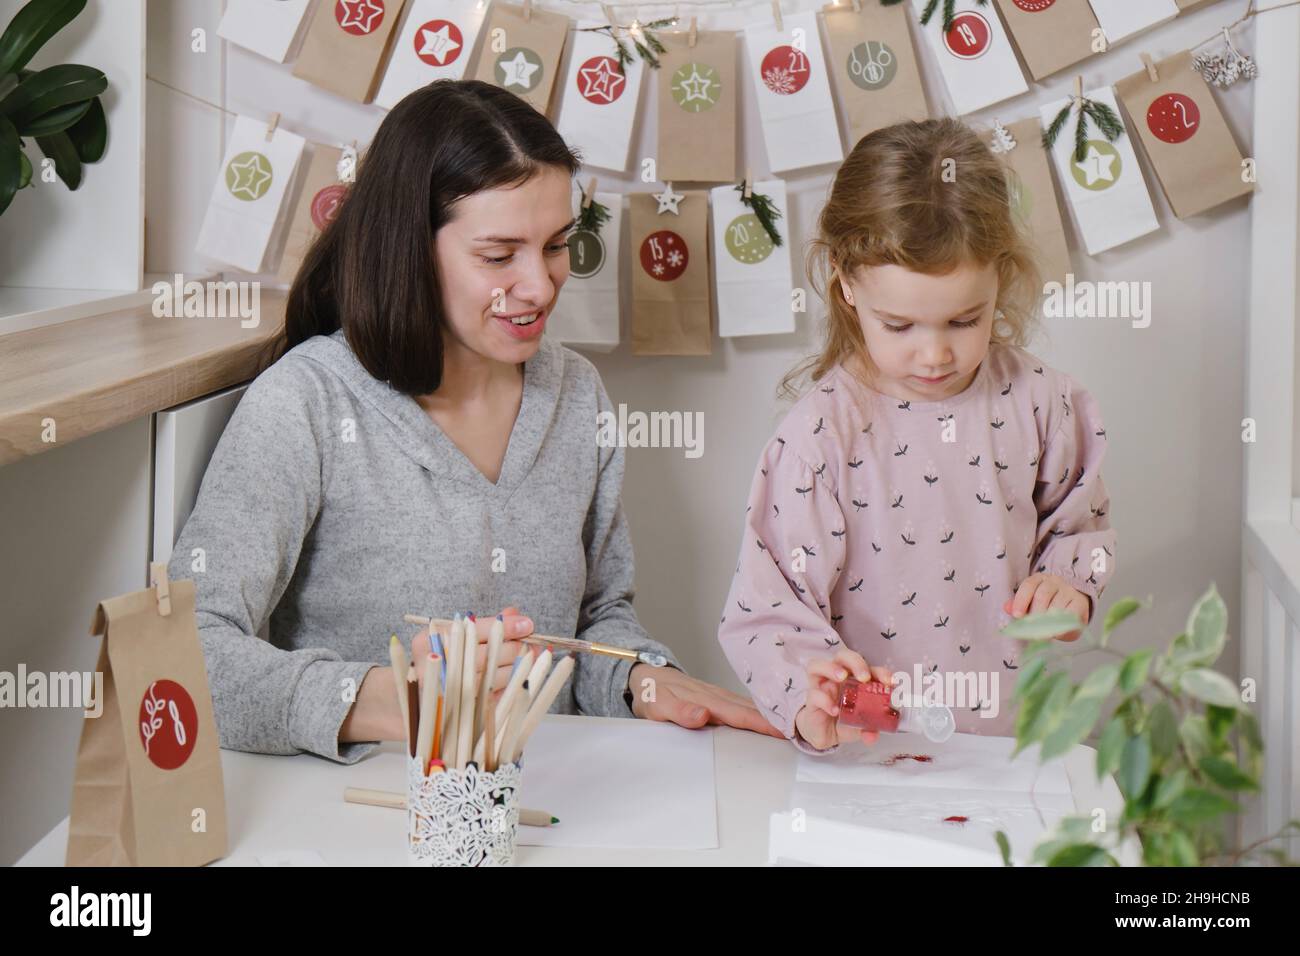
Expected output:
{"points": [[1050, 34], [1184, 135], [318, 204], [148, 788], [1033, 198], [345, 45], [522, 51], [671, 314], [697, 108], [873, 60]]}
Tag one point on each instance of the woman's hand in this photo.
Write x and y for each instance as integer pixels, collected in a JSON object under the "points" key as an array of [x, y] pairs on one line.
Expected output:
{"points": [[517, 626], [665, 693], [1042, 592], [817, 721]]}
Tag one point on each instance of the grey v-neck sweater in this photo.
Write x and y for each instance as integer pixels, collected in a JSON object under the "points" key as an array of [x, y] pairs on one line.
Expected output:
{"points": [[334, 505]]}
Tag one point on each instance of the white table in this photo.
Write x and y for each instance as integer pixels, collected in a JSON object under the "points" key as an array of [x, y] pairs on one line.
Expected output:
{"points": [[294, 803]]}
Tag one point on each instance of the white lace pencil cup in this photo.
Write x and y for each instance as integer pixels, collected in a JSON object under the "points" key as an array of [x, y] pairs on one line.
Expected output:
{"points": [[462, 817]]}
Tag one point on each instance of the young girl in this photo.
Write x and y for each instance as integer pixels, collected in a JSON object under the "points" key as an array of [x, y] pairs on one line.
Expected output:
{"points": [[938, 479]]}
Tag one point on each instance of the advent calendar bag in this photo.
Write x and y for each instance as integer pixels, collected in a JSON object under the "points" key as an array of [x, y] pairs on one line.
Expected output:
{"points": [[697, 107], [1050, 34], [1184, 134], [1032, 195], [148, 788], [318, 205], [345, 44], [521, 52], [670, 274]]}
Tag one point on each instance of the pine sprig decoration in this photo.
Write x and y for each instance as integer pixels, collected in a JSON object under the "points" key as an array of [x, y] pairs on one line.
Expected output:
{"points": [[949, 11], [766, 213], [647, 45], [593, 217], [1100, 113]]}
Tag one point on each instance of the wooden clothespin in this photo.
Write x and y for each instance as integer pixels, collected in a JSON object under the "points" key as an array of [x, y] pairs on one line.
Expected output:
{"points": [[690, 39], [749, 182], [1151, 67], [528, 10], [271, 124], [857, 6], [776, 13], [1078, 91], [158, 581], [589, 193], [609, 14]]}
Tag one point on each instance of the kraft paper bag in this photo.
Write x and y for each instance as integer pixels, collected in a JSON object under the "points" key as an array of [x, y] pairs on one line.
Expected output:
{"points": [[752, 274], [148, 789], [873, 60], [1184, 135], [1033, 197], [265, 28], [1107, 193], [587, 312], [1050, 34], [435, 44], [1120, 19], [670, 275], [599, 109], [318, 205], [524, 57], [978, 65], [795, 106], [697, 108], [345, 45]]}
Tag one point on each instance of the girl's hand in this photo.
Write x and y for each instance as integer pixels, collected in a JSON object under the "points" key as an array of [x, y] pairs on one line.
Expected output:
{"points": [[1042, 592], [817, 721]]}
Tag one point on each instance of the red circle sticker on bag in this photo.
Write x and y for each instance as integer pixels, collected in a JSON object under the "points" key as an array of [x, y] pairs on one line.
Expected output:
{"points": [[1033, 6], [439, 42], [664, 255], [1174, 118], [325, 205], [601, 80], [169, 724], [969, 36], [359, 17], [784, 70]]}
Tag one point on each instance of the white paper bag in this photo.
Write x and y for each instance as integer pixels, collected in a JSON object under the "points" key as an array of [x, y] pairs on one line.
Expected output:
{"points": [[1123, 18], [435, 43], [587, 312], [1106, 192], [752, 276], [250, 189], [267, 27], [794, 96], [979, 66], [599, 109]]}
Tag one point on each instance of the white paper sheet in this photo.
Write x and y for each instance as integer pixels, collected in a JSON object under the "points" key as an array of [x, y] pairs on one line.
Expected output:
{"points": [[268, 28], [586, 314], [1107, 193], [1123, 18], [599, 109], [752, 276], [975, 57], [629, 784], [793, 92], [963, 762], [436, 43]]}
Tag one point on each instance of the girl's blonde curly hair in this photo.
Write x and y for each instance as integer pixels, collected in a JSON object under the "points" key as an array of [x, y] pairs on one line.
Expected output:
{"points": [[927, 196]]}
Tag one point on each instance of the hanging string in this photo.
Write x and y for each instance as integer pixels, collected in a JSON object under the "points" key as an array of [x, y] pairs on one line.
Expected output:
{"points": [[1250, 12]]}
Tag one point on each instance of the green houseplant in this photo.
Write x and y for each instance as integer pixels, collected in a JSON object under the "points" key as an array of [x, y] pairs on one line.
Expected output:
{"points": [[1181, 739], [58, 107]]}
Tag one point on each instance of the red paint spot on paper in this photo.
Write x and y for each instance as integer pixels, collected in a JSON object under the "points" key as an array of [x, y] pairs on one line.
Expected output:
{"points": [[919, 758], [955, 819]]}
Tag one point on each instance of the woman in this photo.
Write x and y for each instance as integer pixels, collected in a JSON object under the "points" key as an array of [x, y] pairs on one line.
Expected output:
{"points": [[419, 446]]}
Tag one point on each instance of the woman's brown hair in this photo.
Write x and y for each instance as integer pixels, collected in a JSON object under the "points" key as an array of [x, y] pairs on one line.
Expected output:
{"points": [[371, 272], [926, 196]]}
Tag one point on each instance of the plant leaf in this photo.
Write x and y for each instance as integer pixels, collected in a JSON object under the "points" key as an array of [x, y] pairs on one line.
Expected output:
{"points": [[1134, 671], [26, 177], [1073, 727], [1118, 612], [1211, 687], [1043, 624], [1250, 730], [1109, 746], [56, 121], [1182, 849], [1227, 774], [1004, 847], [1163, 728], [90, 133], [51, 88], [31, 27], [58, 147], [1169, 788], [1099, 683], [1196, 735], [1079, 854], [1135, 766], [1029, 674], [1195, 805], [11, 164], [1042, 710], [1207, 625]]}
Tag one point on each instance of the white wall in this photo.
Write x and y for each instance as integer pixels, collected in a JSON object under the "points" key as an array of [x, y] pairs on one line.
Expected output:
{"points": [[1171, 394]]}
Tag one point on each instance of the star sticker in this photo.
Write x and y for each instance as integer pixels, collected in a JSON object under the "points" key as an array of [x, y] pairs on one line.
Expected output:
{"points": [[438, 43], [251, 177], [519, 72], [695, 86], [1096, 166], [668, 201], [360, 14], [602, 81]]}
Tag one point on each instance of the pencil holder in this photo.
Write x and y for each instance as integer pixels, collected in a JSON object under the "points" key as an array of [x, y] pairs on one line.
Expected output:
{"points": [[462, 817]]}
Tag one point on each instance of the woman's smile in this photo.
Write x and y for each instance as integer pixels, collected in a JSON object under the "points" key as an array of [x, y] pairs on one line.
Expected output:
{"points": [[523, 325]]}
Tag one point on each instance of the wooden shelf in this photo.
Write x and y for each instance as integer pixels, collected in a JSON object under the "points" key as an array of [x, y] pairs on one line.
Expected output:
{"points": [[95, 373]]}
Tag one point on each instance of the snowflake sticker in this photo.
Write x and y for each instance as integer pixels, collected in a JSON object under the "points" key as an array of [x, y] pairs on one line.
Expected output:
{"points": [[784, 70], [969, 37], [664, 255]]}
